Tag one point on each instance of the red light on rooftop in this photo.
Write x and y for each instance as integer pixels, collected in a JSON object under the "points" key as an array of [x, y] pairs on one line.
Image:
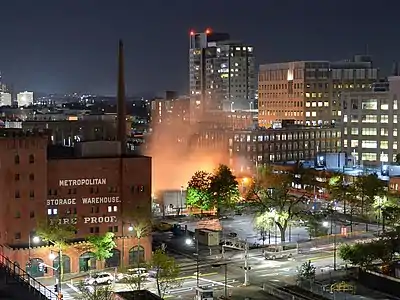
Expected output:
{"points": [[208, 31], [192, 32]]}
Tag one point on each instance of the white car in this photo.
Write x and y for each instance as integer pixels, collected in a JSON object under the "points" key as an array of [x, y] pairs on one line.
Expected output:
{"points": [[100, 278], [133, 273]]}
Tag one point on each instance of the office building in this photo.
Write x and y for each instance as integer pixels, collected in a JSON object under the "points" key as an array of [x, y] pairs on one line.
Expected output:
{"points": [[370, 123], [25, 99], [5, 99], [309, 91], [221, 73], [244, 148]]}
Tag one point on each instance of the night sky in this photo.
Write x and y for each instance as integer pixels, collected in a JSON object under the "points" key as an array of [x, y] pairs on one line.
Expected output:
{"points": [[71, 45]]}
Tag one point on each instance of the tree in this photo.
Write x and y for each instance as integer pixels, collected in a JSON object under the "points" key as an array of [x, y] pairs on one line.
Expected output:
{"points": [[364, 254], [271, 193], [315, 226], [224, 188], [94, 292], [134, 281], [306, 271], [56, 232], [141, 226], [167, 271], [198, 191], [368, 188], [102, 245]]}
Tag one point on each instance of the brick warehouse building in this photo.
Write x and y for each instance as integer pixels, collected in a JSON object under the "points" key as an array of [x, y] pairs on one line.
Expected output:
{"points": [[78, 185], [94, 185]]}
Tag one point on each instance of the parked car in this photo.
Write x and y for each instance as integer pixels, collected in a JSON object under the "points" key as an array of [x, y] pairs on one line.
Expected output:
{"points": [[99, 278], [134, 272]]}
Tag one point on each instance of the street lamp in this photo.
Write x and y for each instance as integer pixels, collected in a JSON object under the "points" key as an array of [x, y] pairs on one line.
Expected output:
{"points": [[130, 228], [52, 257], [31, 240], [326, 224], [189, 242]]}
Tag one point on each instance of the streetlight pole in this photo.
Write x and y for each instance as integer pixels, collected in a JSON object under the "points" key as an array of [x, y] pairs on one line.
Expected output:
{"points": [[334, 242], [197, 261], [226, 281]]}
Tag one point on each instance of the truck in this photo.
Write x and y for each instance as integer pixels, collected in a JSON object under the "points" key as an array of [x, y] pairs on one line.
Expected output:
{"points": [[281, 251]]}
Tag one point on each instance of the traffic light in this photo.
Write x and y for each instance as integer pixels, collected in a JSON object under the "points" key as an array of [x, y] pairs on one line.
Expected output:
{"points": [[45, 270], [56, 288], [41, 267]]}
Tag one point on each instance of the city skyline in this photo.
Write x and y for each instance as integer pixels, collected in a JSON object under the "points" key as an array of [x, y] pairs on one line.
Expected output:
{"points": [[66, 47]]}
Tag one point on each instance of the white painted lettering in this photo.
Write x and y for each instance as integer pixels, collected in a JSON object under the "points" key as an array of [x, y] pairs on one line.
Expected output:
{"points": [[97, 220], [86, 219], [82, 181]]}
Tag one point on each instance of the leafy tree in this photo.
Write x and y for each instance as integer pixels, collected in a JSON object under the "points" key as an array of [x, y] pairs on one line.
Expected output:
{"points": [[339, 190], [167, 271], [388, 210], [306, 271], [224, 189], [198, 192], [368, 188], [364, 254], [56, 232], [141, 226], [271, 193], [94, 292], [315, 226], [102, 245]]}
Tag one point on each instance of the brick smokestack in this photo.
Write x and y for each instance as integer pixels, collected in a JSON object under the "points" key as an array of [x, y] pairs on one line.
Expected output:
{"points": [[121, 105]]}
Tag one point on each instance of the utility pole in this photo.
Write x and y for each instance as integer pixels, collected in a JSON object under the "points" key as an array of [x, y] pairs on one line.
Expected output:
{"points": [[246, 264], [197, 260]]}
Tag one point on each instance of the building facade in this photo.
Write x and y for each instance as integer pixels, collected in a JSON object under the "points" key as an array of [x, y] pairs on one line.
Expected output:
{"points": [[5, 99], [309, 91], [370, 130], [25, 99], [244, 148], [221, 73], [91, 187]]}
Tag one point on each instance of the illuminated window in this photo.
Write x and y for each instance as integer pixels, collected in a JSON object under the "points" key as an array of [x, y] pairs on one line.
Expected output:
{"points": [[345, 143], [326, 103], [307, 114], [395, 119], [384, 145], [368, 156], [384, 157], [395, 145], [384, 106], [384, 119], [354, 143], [308, 104], [307, 95], [345, 130], [394, 104], [369, 144], [369, 119], [313, 114], [319, 95], [320, 104], [314, 104], [369, 131], [313, 95], [339, 113], [371, 104], [395, 132], [345, 118], [384, 132], [354, 131]]}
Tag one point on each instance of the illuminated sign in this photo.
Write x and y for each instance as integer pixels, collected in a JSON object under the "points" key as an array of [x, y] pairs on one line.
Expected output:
{"points": [[83, 181], [100, 200], [94, 220], [88, 220], [70, 201]]}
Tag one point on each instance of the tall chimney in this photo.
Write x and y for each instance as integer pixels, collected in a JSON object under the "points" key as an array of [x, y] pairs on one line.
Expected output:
{"points": [[121, 108]]}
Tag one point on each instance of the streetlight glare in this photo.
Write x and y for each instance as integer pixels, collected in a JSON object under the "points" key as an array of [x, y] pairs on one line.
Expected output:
{"points": [[189, 242], [36, 239], [325, 224], [130, 228]]}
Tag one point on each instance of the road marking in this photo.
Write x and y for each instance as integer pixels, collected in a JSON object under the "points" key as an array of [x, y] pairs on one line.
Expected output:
{"points": [[74, 288], [216, 282], [194, 276]]}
